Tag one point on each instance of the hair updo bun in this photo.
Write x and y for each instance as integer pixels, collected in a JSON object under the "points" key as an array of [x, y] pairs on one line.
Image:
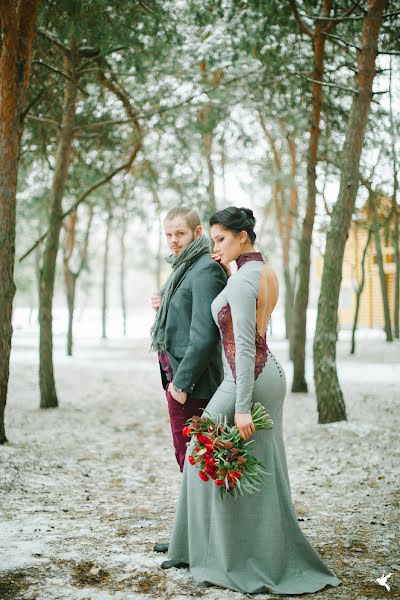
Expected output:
{"points": [[249, 214], [236, 219]]}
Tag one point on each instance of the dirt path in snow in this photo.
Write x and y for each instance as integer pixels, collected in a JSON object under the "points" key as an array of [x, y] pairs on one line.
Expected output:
{"points": [[86, 489]]}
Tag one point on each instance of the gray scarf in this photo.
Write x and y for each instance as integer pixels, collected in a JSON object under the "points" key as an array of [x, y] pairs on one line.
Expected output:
{"points": [[180, 265]]}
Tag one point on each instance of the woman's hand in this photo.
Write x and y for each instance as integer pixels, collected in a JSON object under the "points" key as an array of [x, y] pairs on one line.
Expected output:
{"points": [[226, 268], [245, 425], [180, 397]]}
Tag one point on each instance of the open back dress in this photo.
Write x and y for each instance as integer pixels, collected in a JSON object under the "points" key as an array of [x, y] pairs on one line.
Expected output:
{"points": [[253, 544]]}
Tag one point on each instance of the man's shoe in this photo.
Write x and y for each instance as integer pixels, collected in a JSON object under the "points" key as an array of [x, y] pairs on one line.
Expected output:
{"points": [[168, 564], [160, 547]]}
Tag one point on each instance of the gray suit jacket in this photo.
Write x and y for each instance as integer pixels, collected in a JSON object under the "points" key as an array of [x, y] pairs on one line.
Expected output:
{"points": [[191, 337]]}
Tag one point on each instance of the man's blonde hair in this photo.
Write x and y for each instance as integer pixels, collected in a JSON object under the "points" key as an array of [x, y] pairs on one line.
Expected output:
{"points": [[190, 215]]}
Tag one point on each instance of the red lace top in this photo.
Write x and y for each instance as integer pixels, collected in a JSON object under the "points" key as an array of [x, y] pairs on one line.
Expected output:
{"points": [[226, 326]]}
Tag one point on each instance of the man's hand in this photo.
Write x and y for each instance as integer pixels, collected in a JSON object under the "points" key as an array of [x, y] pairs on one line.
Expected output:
{"points": [[180, 397], [245, 425], [155, 301]]}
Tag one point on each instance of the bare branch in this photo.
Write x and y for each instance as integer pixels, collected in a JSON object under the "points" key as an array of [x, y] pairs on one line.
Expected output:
{"points": [[391, 14], [339, 39], [53, 69], [299, 20], [330, 26], [32, 103], [44, 120], [333, 19], [328, 84], [85, 245], [389, 52], [162, 110], [125, 167], [52, 38], [358, 5]]}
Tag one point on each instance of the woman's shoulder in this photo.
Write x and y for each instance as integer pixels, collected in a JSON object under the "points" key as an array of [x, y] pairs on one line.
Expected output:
{"points": [[243, 280]]}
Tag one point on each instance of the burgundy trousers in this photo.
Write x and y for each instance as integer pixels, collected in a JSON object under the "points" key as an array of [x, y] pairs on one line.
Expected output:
{"points": [[178, 415]]}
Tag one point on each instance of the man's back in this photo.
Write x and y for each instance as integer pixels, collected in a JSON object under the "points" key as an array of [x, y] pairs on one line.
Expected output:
{"points": [[191, 336]]}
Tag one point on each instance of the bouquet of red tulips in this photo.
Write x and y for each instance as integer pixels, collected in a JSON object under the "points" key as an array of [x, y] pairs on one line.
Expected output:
{"points": [[221, 455]]}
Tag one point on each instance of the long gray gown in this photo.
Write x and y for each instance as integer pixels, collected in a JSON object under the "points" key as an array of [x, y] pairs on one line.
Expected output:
{"points": [[253, 544]]}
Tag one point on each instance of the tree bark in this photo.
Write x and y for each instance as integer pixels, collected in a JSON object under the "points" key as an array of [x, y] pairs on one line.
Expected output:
{"points": [[395, 209], [396, 242], [382, 279], [207, 140], [299, 383], [284, 217], [359, 291], [18, 24], [70, 286], [105, 277], [157, 204], [331, 405], [48, 394], [123, 270], [70, 276]]}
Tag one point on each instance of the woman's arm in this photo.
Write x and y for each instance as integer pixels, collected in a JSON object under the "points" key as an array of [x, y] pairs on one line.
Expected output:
{"points": [[242, 299]]}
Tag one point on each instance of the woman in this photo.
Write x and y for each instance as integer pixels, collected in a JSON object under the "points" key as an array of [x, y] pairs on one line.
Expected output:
{"points": [[253, 544]]}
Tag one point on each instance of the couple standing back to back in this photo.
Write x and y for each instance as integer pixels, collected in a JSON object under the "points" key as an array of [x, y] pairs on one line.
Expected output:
{"points": [[253, 544]]}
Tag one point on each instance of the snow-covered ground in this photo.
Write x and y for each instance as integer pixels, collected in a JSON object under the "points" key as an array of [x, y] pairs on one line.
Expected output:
{"points": [[86, 489]]}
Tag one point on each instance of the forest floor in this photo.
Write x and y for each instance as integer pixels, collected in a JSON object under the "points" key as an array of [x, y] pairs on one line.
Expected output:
{"points": [[87, 489]]}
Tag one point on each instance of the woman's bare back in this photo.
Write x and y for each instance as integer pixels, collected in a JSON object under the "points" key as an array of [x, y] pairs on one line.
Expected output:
{"points": [[268, 294]]}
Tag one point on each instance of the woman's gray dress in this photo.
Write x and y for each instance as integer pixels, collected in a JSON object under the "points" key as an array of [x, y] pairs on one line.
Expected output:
{"points": [[253, 544]]}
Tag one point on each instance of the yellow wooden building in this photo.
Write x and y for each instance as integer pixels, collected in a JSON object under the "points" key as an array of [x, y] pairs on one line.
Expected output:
{"points": [[371, 305]]}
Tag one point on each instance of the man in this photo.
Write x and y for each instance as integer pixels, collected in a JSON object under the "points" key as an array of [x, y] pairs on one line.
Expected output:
{"points": [[184, 332]]}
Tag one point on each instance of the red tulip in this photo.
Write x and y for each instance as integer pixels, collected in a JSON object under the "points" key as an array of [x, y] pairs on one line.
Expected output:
{"points": [[203, 439], [219, 482], [203, 476], [186, 431], [191, 459]]}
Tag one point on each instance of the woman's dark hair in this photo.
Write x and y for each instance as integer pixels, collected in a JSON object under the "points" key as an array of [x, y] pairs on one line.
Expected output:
{"points": [[236, 219]]}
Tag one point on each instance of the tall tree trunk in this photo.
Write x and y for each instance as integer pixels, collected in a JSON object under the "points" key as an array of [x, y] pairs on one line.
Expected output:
{"points": [[70, 276], [396, 243], [291, 219], [382, 279], [157, 204], [299, 383], [395, 209], [18, 25], [284, 217], [207, 150], [37, 259], [223, 169], [359, 291], [105, 277], [70, 286], [48, 394], [123, 270], [69, 279], [206, 118], [331, 406]]}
